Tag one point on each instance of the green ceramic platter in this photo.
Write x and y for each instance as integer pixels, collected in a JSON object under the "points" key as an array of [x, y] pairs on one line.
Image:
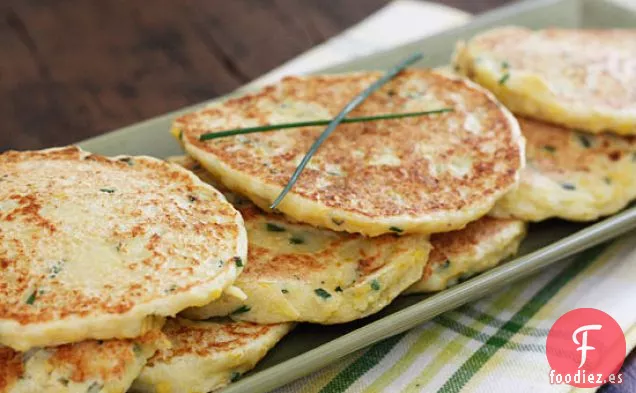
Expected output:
{"points": [[311, 347]]}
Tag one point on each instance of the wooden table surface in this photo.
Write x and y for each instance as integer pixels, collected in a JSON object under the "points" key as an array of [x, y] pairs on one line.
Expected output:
{"points": [[73, 69]]}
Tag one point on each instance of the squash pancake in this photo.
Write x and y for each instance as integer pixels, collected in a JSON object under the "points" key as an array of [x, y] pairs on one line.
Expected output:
{"points": [[582, 79], [432, 173], [98, 248], [571, 175], [461, 254], [88, 367], [297, 272], [206, 356]]}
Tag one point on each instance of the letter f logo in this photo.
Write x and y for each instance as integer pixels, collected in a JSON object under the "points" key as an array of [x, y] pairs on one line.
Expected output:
{"points": [[583, 344]]}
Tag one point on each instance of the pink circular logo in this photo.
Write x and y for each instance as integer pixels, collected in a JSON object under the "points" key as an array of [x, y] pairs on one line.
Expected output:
{"points": [[585, 348]]}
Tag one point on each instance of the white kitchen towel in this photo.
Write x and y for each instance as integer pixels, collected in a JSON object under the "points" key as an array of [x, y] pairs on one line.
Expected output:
{"points": [[400, 22]]}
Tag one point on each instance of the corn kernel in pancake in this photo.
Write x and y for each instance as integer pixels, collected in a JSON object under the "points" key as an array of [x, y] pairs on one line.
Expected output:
{"points": [[97, 248], [576, 78], [571, 175], [206, 356], [417, 175], [86, 367], [461, 254], [297, 272]]}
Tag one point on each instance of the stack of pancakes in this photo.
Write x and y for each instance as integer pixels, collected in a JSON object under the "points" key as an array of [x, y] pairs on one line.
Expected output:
{"points": [[574, 93], [98, 251], [95, 253]]}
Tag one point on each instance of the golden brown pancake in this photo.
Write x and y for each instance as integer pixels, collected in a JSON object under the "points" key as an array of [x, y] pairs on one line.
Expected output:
{"points": [[97, 247], [297, 272], [89, 366], [206, 356], [571, 175], [417, 175], [461, 254], [582, 79]]}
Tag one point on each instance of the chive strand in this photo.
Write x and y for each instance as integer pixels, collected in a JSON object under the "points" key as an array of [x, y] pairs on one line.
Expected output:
{"points": [[276, 127], [334, 123]]}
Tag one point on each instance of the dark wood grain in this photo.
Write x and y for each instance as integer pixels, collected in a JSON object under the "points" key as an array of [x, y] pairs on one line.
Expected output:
{"points": [[72, 69]]}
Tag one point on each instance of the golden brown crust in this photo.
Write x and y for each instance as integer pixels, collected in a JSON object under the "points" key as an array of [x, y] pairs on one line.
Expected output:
{"points": [[207, 338], [553, 149], [87, 362], [458, 242], [571, 175], [272, 259], [580, 50], [297, 272], [424, 169], [577, 78], [206, 356], [86, 236], [11, 367], [478, 247], [80, 357]]}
